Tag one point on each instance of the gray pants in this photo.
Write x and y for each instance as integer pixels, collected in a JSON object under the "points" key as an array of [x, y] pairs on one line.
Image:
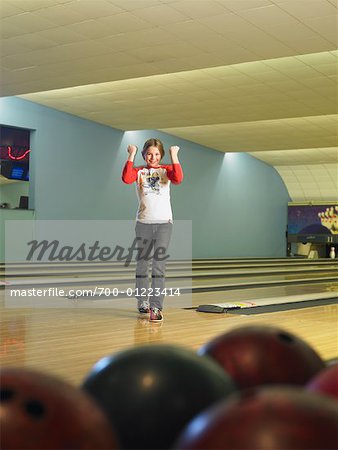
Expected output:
{"points": [[152, 240]]}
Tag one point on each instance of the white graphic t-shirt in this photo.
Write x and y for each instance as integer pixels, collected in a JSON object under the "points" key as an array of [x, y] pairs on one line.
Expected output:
{"points": [[153, 190]]}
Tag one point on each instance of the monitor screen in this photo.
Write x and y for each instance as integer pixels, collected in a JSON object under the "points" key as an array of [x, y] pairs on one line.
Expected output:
{"points": [[313, 219]]}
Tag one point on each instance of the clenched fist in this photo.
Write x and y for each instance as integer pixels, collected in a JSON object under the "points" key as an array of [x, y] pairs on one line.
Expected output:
{"points": [[174, 150], [132, 149]]}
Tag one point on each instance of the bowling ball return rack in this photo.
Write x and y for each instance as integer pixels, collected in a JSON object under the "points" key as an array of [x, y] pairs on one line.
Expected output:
{"points": [[271, 304]]}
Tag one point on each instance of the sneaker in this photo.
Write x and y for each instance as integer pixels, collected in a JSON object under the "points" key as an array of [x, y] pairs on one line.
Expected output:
{"points": [[143, 308], [155, 315]]}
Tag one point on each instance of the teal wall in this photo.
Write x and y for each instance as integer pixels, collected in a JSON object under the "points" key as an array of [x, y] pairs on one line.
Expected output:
{"points": [[237, 204], [23, 215], [11, 193]]}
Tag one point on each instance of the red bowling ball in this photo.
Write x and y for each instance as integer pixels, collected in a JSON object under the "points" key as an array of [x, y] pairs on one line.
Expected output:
{"points": [[38, 411], [326, 382], [332, 361], [266, 418], [260, 355]]}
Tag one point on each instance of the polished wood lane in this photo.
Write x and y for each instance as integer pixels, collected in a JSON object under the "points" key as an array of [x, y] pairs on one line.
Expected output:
{"points": [[68, 341], [70, 335]]}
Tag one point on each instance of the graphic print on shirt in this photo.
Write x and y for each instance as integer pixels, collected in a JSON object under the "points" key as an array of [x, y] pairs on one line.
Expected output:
{"points": [[150, 181]]}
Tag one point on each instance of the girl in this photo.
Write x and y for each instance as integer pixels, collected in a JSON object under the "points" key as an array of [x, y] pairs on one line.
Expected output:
{"points": [[153, 221]]}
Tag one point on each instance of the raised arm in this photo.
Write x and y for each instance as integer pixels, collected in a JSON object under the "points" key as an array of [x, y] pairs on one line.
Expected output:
{"points": [[129, 174], [175, 173]]}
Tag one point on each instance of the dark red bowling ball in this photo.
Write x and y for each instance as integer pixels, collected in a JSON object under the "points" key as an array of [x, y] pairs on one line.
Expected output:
{"points": [[325, 382], [151, 392], [331, 362], [259, 355], [38, 411], [265, 419]]}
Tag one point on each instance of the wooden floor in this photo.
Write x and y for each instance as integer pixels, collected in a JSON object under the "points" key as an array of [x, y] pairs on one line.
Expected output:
{"points": [[67, 342], [67, 338]]}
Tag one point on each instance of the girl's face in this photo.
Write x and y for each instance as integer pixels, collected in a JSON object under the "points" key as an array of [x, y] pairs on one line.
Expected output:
{"points": [[153, 156]]}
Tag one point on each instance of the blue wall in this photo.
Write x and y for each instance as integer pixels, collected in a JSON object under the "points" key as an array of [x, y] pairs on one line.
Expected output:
{"points": [[238, 204]]}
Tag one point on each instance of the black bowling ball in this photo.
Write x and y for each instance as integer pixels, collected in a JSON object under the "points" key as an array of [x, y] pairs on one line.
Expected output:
{"points": [[151, 392]]}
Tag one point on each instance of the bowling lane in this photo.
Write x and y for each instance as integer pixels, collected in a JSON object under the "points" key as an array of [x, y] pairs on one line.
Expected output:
{"points": [[171, 271], [104, 274], [101, 268], [257, 294], [80, 336], [116, 289], [183, 282], [268, 278], [196, 262]]}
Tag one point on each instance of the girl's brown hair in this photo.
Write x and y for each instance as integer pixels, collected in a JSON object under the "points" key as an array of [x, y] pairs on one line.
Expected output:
{"points": [[153, 143]]}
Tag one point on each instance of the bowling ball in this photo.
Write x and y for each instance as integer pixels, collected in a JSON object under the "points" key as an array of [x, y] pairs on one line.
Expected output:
{"points": [[38, 411], [331, 362], [259, 355], [325, 382], [265, 418], [151, 392]]}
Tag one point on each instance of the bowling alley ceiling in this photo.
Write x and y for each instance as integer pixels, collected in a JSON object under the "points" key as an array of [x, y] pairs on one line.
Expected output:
{"points": [[256, 76]]}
